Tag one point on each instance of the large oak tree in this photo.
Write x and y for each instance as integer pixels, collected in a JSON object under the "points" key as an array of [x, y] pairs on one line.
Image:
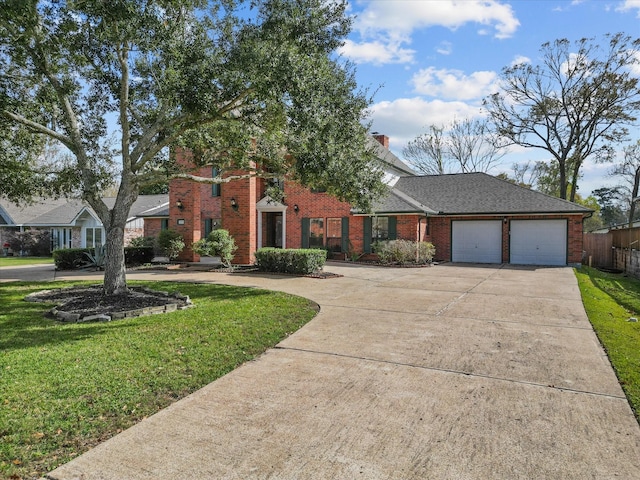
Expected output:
{"points": [[576, 103], [93, 87]]}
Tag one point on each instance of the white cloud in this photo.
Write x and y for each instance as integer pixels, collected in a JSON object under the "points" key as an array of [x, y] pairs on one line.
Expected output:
{"points": [[445, 48], [404, 16], [635, 69], [454, 84], [406, 118], [519, 60], [629, 5], [376, 52], [391, 24]]}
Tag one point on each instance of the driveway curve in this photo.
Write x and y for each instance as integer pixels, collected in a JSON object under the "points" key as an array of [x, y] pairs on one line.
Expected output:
{"points": [[447, 372]]}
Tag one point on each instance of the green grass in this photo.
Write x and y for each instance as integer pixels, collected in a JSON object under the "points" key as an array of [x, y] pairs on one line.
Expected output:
{"points": [[66, 387], [610, 300], [18, 261]]}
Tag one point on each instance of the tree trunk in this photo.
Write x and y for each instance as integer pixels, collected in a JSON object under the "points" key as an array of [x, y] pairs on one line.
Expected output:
{"points": [[562, 170], [115, 280], [634, 194]]}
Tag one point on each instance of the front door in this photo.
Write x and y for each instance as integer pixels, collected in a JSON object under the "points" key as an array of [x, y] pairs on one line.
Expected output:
{"points": [[274, 229]]}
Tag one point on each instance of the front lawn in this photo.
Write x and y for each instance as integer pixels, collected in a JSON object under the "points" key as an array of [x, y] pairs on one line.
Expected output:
{"points": [[610, 300], [66, 387], [18, 261]]}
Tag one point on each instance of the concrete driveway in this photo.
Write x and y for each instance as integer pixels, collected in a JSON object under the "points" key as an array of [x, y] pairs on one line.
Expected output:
{"points": [[448, 372]]}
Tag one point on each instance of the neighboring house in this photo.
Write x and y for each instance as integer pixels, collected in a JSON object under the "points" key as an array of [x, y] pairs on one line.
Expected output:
{"points": [[468, 217], [71, 223]]}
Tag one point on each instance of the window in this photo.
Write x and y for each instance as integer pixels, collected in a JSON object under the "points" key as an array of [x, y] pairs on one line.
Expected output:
{"points": [[60, 238], [164, 224], [379, 229], [216, 187], [93, 237], [334, 234], [316, 232]]}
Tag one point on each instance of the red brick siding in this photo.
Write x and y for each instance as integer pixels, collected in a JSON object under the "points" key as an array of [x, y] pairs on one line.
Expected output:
{"points": [[152, 227], [188, 193], [316, 205], [242, 221]]}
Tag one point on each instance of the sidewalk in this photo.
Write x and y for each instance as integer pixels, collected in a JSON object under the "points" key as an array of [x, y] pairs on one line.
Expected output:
{"points": [[448, 372]]}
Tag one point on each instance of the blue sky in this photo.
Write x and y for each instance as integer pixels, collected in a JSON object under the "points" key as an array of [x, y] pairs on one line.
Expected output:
{"points": [[435, 60]]}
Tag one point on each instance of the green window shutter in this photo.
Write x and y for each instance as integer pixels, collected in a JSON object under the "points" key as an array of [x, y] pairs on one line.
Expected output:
{"points": [[306, 225], [208, 226], [367, 234], [393, 228], [164, 224], [345, 234]]}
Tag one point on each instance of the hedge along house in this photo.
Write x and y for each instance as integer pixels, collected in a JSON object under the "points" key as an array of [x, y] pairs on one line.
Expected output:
{"points": [[468, 217], [72, 223]]}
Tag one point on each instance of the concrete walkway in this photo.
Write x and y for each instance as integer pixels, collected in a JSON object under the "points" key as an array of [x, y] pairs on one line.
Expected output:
{"points": [[448, 372]]}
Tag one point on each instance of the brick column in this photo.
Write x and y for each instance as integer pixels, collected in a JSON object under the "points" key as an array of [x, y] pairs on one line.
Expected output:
{"points": [[241, 220], [185, 220]]}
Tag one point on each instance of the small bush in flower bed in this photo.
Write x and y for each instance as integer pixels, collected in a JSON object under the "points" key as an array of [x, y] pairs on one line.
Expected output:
{"points": [[290, 260], [70, 258], [405, 252], [138, 255]]}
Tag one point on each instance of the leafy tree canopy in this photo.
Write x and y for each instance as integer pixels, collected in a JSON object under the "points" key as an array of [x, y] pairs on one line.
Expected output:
{"points": [[241, 84]]}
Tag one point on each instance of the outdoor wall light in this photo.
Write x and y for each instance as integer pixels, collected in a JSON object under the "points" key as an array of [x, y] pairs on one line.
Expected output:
{"points": [[296, 208], [234, 204], [179, 205]]}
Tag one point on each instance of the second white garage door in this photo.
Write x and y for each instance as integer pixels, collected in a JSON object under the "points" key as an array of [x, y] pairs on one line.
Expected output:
{"points": [[538, 242], [476, 241]]}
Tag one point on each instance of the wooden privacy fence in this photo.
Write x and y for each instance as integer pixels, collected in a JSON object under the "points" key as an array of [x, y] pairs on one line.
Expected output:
{"points": [[598, 249], [625, 238]]}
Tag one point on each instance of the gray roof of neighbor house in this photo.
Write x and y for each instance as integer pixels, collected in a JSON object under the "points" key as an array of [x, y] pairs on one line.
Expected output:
{"points": [[472, 194], [62, 211]]}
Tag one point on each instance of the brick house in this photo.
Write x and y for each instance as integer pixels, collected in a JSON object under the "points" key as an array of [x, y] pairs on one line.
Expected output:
{"points": [[468, 217]]}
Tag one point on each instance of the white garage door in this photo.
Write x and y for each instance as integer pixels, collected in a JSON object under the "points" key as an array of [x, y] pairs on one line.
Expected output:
{"points": [[538, 242], [476, 241]]}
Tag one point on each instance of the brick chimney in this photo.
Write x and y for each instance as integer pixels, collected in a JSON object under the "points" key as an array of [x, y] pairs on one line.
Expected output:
{"points": [[383, 139]]}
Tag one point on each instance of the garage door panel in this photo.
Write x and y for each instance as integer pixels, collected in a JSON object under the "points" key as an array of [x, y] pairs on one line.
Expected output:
{"points": [[538, 242], [476, 241]]}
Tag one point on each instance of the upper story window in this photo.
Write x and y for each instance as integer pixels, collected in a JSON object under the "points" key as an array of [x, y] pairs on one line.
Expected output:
{"points": [[216, 187]]}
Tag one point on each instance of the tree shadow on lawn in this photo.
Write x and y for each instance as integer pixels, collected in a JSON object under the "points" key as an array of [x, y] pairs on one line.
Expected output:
{"points": [[26, 325], [623, 289]]}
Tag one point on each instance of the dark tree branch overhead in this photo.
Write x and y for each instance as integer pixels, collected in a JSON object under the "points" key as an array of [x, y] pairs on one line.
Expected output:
{"points": [[195, 74]]}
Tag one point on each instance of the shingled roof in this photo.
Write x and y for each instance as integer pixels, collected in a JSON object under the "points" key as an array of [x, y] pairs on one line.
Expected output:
{"points": [[470, 194], [50, 212]]}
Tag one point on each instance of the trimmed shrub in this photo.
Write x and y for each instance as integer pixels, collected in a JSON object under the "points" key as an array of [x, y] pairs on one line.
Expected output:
{"points": [[170, 243], [290, 260], [217, 244], [70, 258], [402, 252], [142, 242], [138, 255]]}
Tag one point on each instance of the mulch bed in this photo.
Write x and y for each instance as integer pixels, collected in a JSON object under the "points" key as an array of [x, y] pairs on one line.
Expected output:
{"points": [[89, 303]]}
